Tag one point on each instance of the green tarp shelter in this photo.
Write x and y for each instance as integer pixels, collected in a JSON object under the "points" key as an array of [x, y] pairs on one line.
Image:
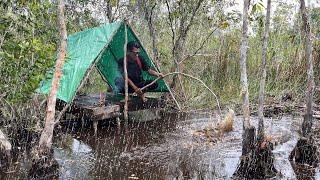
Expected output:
{"points": [[101, 47]]}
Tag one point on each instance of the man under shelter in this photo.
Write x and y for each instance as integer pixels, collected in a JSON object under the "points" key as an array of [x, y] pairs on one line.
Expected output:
{"points": [[135, 65]]}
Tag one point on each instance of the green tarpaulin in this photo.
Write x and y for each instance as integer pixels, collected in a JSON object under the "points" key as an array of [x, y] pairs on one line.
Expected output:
{"points": [[100, 46]]}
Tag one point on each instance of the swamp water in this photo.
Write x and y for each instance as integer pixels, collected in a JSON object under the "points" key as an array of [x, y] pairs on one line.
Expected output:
{"points": [[164, 149]]}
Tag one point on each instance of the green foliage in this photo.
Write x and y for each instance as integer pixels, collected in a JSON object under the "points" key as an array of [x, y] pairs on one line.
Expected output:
{"points": [[257, 8], [27, 48], [29, 44], [30, 37], [315, 21]]}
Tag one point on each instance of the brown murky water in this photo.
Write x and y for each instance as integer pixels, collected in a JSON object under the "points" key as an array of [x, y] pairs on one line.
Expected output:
{"points": [[163, 149]]}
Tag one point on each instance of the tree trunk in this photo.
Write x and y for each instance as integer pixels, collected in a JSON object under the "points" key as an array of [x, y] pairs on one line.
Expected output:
{"points": [[177, 53], [147, 7], [185, 22], [263, 73], [243, 67], [306, 32], [47, 133], [255, 162], [109, 12], [305, 152], [154, 37]]}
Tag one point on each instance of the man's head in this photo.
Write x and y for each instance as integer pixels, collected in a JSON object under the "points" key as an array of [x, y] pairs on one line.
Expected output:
{"points": [[133, 48]]}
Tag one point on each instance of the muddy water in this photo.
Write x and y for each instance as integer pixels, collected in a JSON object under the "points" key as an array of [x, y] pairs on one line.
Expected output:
{"points": [[165, 149]]}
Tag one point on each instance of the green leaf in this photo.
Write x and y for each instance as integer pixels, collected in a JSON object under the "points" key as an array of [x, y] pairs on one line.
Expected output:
{"points": [[257, 8], [113, 3]]}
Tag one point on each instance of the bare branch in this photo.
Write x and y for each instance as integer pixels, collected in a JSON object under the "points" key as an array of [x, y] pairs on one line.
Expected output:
{"points": [[201, 46]]}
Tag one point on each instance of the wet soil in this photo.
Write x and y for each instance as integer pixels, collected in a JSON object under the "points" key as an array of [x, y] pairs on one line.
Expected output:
{"points": [[169, 148]]}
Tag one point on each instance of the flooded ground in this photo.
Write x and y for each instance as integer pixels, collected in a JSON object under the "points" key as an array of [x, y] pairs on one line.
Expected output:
{"points": [[165, 149]]}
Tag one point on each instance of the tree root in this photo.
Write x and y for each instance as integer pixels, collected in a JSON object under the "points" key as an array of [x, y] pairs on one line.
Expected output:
{"points": [[44, 166], [257, 161], [303, 171], [305, 152], [258, 164], [5, 161]]}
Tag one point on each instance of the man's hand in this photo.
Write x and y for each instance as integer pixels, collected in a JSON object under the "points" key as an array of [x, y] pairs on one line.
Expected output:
{"points": [[138, 91], [160, 75], [141, 94], [155, 73], [143, 98]]}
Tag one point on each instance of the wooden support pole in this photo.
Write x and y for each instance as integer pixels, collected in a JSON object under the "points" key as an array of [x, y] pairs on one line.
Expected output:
{"points": [[125, 109]]}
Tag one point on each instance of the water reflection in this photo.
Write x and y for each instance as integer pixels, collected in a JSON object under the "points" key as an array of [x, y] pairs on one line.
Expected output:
{"points": [[163, 149], [75, 158]]}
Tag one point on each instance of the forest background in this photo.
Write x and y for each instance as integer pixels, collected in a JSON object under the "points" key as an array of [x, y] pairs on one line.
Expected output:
{"points": [[197, 37]]}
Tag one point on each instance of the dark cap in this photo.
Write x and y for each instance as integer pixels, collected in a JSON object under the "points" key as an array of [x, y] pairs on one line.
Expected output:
{"points": [[132, 44]]}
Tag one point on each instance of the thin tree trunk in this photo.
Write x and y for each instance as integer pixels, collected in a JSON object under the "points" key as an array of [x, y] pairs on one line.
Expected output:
{"points": [[178, 53], [179, 43], [306, 32], [263, 73], [152, 30], [256, 161], [125, 110], [305, 152], [154, 38], [47, 133], [109, 12], [243, 68], [147, 13]]}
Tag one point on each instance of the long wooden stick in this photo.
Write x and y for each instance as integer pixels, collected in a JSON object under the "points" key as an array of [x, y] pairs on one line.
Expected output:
{"points": [[187, 75], [125, 109]]}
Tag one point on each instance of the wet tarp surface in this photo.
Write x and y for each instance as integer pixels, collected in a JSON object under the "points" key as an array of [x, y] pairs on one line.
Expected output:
{"points": [[100, 46]]}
